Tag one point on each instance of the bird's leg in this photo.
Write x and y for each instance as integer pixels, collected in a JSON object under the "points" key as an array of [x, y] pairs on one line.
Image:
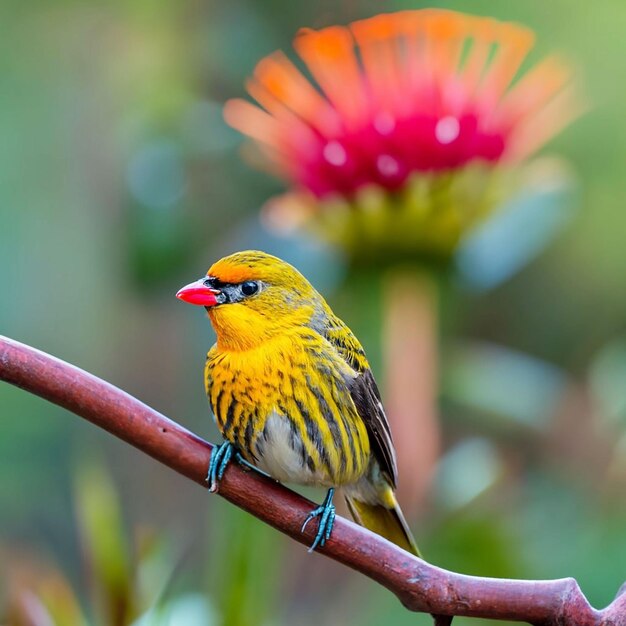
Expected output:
{"points": [[220, 457], [326, 513], [249, 466]]}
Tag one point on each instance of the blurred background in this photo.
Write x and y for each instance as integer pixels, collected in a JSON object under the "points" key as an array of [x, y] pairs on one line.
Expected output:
{"points": [[120, 182]]}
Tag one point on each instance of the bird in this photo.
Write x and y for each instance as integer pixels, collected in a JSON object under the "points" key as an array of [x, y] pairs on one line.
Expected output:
{"points": [[293, 394]]}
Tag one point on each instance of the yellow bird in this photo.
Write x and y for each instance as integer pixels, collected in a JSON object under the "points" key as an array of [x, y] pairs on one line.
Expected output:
{"points": [[293, 394]]}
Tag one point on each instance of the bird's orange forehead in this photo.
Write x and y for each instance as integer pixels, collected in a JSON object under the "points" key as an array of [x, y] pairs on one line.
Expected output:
{"points": [[229, 273], [255, 265], [241, 266]]}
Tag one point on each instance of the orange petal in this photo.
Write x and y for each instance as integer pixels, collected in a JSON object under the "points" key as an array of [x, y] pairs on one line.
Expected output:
{"points": [[329, 54], [513, 44], [380, 52], [282, 79]]}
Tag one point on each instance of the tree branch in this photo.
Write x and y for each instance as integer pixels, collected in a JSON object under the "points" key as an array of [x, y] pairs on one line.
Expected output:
{"points": [[419, 585]]}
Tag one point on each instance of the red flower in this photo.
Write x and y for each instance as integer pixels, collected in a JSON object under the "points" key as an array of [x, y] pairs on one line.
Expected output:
{"points": [[403, 93]]}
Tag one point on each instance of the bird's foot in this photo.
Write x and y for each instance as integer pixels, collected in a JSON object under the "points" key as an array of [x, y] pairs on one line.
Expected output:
{"points": [[326, 513], [220, 458]]}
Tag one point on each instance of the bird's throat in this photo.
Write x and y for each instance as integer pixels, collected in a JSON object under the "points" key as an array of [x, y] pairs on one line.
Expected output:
{"points": [[237, 328]]}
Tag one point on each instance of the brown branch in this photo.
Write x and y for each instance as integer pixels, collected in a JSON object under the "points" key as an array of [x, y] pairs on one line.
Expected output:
{"points": [[419, 585]]}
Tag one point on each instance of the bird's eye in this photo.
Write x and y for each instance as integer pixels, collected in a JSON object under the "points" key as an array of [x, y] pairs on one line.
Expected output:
{"points": [[249, 288]]}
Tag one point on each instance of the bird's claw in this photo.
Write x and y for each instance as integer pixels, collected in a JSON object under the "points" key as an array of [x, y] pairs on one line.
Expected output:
{"points": [[220, 458], [326, 513]]}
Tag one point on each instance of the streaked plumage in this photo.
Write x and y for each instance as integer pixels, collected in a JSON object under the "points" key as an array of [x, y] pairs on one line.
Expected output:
{"points": [[291, 389]]}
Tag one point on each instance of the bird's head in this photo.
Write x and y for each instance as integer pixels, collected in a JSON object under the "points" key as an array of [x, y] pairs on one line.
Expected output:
{"points": [[252, 296]]}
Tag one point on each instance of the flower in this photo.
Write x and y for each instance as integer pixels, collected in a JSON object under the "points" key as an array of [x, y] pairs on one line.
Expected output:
{"points": [[411, 111]]}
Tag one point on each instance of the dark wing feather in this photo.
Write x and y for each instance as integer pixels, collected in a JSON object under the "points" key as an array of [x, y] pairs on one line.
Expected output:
{"points": [[365, 396]]}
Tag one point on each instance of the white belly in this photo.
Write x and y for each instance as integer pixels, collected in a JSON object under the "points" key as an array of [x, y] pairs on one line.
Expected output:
{"points": [[281, 454]]}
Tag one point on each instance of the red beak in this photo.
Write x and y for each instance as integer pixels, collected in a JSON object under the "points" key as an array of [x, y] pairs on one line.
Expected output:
{"points": [[198, 293]]}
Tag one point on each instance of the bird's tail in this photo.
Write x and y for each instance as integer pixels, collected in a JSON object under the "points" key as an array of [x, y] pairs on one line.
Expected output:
{"points": [[387, 521]]}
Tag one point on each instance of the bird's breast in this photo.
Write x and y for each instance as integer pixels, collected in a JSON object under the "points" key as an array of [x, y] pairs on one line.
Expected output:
{"points": [[289, 411]]}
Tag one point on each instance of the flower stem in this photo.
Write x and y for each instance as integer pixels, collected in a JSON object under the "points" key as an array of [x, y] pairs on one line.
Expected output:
{"points": [[410, 356]]}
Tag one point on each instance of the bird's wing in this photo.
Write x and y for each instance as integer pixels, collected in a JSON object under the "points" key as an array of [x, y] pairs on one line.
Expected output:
{"points": [[365, 395]]}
